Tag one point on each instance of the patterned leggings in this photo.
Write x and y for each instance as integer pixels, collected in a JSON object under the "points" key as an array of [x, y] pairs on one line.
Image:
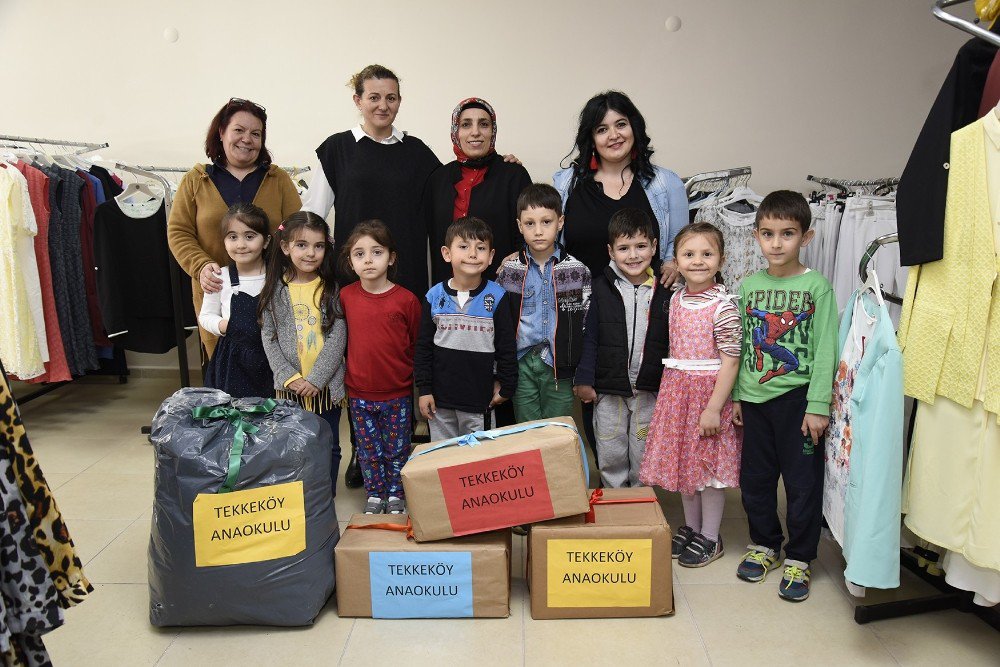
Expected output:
{"points": [[382, 431]]}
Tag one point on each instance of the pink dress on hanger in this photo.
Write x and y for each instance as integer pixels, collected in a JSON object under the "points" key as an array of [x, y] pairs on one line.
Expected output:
{"points": [[56, 367], [678, 458]]}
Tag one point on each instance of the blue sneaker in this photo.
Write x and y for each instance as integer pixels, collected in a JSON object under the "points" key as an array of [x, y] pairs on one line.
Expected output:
{"points": [[795, 581], [756, 563]]}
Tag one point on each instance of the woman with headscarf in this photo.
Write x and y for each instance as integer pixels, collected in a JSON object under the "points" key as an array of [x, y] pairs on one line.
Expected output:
{"points": [[479, 182]]}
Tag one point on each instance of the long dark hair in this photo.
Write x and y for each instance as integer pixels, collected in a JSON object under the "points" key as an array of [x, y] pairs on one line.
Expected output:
{"points": [[377, 230], [591, 116], [280, 269]]}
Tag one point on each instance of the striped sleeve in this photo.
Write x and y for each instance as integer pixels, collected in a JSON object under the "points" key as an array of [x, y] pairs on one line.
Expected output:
{"points": [[728, 329]]}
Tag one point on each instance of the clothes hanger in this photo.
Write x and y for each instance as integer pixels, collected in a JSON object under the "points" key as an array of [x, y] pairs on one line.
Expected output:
{"points": [[136, 187], [873, 285]]}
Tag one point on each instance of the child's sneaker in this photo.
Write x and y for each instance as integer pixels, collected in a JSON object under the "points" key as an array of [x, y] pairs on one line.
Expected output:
{"points": [[795, 581], [395, 505], [756, 563], [681, 539], [701, 551], [375, 505]]}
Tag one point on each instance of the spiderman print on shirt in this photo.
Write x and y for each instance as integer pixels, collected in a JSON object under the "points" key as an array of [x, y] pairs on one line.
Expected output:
{"points": [[765, 336]]}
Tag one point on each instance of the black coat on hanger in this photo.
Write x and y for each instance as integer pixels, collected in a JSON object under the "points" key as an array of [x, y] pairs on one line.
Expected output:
{"points": [[923, 187]]}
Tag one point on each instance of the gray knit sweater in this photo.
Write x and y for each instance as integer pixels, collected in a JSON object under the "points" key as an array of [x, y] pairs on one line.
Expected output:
{"points": [[281, 347]]}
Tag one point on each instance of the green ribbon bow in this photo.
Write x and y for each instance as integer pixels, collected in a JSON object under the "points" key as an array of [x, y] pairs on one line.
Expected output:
{"points": [[237, 418]]}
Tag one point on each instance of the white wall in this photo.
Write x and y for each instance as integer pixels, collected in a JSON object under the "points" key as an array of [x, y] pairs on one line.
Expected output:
{"points": [[791, 87]]}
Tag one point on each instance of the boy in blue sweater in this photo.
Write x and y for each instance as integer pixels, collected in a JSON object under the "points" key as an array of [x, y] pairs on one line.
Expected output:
{"points": [[466, 331]]}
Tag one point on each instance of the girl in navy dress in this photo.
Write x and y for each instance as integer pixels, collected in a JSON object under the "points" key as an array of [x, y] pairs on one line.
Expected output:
{"points": [[239, 366]]}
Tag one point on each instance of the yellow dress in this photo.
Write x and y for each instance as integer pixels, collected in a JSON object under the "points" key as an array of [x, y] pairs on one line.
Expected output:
{"points": [[18, 339], [952, 488]]}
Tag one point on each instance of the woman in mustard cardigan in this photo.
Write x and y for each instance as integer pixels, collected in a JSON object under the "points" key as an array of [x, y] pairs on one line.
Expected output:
{"points": [[240, 171]]}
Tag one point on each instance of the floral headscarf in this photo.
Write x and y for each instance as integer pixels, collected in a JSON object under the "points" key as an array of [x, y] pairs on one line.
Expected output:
{"points": [[472, 103]]}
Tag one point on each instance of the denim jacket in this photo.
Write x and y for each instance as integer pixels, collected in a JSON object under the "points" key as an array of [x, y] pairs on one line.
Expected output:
{"points": [[667, 198]]}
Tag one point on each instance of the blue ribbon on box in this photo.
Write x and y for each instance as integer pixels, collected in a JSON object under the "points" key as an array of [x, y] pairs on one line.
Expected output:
{"points": [[476, 437]]}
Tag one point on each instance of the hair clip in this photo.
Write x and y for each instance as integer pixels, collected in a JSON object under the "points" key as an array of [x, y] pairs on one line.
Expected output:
{"points": [[281, 227]]}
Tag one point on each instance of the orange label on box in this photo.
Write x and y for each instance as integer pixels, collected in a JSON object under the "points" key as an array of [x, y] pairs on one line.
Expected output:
{"points": [[496, 493]]}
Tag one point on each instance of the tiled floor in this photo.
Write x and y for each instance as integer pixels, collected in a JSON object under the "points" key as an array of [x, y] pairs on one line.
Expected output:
{"points": [[87, 439]]}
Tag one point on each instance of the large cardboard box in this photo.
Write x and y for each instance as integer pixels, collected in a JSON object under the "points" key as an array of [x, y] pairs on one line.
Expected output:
{"points": [[383, 574], [615, 565], [508, 479]]}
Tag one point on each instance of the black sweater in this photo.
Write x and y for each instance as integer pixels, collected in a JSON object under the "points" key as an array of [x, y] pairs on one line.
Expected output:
{"points": [[494, 201], [383, 181]]}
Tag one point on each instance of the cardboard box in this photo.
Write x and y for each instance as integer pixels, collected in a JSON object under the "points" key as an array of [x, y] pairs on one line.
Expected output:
{"points": [[383, 574], [616, 566], [533, 475]]}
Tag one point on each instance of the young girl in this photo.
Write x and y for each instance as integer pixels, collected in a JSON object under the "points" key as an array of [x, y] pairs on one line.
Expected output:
{"points": [[238, 366], [385, 319], [302, 326], [693, 446]]}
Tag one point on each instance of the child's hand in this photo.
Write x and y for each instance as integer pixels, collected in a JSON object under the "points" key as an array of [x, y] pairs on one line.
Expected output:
{"points": [[814, 426], [710, 422], [737, 413], [585, 393], [497, 398], [427, 406], [223, 326]]}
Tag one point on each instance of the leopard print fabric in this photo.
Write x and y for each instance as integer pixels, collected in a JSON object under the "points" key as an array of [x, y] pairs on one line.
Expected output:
{"points": [[44, 519]]}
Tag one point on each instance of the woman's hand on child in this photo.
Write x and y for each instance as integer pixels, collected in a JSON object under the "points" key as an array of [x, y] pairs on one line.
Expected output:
{"points": [[510, 157], [710, 422], [814, 426], [585, 393], [669, 273], [210, 278], [427, 406], [737, 413], [223, 326]]}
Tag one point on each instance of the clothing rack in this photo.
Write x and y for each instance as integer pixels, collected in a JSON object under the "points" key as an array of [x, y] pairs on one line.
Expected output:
{"points": [[715, 181], [962, 24], [17, 141], [948, 596], [292, 171], [176, 275], [867, 257], [871, 186], [84, 146]]}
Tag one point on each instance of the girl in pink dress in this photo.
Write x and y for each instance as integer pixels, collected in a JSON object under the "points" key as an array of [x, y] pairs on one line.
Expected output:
{"points": [[693, 446]]}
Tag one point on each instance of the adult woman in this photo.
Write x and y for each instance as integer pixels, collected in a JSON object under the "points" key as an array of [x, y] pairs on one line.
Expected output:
{"points": [[612, 171], [240, 171], [376, 171], [478, 182]]}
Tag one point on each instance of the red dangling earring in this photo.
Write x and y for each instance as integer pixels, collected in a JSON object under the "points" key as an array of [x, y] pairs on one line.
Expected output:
{"points": [[594, 164]]}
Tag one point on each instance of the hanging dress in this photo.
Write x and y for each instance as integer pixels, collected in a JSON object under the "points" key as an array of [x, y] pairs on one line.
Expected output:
{"points": [[239, 366]]}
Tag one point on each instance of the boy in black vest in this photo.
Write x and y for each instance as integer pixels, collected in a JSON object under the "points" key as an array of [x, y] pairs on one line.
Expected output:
{"points": [[624, 342]]}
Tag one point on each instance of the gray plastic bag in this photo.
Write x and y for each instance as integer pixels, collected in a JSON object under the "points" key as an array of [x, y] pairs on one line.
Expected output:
{"points": [[192, 458]]}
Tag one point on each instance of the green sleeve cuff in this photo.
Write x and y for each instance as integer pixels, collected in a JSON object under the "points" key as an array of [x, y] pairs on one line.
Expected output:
{"points": [[818, 408]]}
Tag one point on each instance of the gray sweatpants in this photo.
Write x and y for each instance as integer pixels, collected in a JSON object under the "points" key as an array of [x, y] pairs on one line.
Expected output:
{"points": [[621, 424], [447, 423]]}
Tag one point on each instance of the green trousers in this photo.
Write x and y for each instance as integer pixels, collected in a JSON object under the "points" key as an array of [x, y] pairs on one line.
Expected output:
{"points": [[537, 395]]}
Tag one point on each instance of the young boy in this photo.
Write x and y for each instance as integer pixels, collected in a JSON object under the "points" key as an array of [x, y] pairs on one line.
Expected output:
{"points": [[465, 329], [624, 343], [786, 377], [549, 292]]}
